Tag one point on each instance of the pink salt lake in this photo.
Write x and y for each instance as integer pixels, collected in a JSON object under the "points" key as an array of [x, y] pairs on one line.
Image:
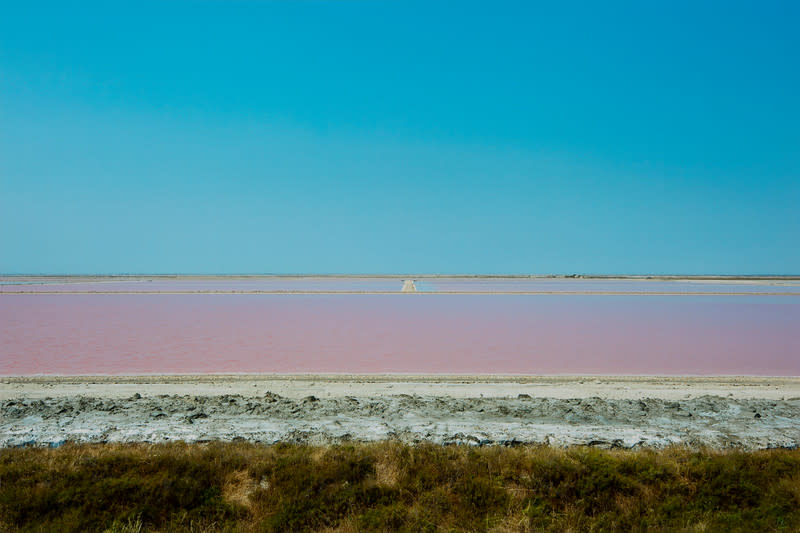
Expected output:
{"points": [[380, 333]]}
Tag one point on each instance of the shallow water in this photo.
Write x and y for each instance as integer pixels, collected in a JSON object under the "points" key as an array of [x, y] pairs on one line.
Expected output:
{"points": [[536, 334]]}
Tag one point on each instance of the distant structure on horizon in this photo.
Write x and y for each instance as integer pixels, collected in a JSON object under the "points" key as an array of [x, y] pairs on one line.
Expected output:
{"points": [[408, 286]]}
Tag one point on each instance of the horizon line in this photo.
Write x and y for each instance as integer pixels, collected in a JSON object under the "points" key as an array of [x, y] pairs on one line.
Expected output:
{"points": [[417, 275]]}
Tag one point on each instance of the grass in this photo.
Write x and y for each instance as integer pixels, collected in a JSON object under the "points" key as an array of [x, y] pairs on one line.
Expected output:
{"points": [[388, 486]]}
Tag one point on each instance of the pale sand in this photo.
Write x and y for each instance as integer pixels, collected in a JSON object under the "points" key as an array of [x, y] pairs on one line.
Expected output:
{"points": [[726, 412], [453, 386]]}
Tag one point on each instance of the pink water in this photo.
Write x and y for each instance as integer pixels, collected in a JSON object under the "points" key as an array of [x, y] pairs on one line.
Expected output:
{"points": [[115, 334]]}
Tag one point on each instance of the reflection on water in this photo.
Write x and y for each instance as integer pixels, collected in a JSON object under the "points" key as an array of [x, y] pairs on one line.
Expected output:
{"points": [[113, 333]]}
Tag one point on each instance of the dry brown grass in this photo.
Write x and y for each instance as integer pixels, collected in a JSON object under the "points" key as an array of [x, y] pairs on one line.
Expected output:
{"points": [[387, 469], [238, 487]]}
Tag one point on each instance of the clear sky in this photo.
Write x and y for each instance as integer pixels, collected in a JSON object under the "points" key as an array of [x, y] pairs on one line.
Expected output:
{"points": [[389, 136]]}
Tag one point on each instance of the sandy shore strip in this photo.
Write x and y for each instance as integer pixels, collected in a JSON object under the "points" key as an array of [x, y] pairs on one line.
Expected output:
{"points": [[379, 385], [628, 412], [406, 294]]}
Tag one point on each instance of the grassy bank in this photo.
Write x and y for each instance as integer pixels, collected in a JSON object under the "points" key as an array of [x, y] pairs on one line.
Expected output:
{"points": [[389, 486]]}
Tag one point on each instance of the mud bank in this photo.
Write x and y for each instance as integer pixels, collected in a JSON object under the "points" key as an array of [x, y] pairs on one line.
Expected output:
{"points": [[711, 421]]}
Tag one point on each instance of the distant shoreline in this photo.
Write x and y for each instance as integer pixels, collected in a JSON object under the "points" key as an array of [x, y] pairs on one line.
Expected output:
{"points": [[210, 277], [392, 377], [392, 293], [469, 285]]}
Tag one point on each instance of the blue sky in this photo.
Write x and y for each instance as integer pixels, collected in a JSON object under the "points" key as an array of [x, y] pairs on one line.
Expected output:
{"points": [[392, 137]]}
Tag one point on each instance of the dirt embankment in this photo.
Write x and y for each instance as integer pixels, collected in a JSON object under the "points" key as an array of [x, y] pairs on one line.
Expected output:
{"points": [[606, 422]]}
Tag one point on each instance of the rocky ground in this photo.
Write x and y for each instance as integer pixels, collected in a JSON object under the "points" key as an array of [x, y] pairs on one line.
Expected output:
{"points": [[714, 421]]}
